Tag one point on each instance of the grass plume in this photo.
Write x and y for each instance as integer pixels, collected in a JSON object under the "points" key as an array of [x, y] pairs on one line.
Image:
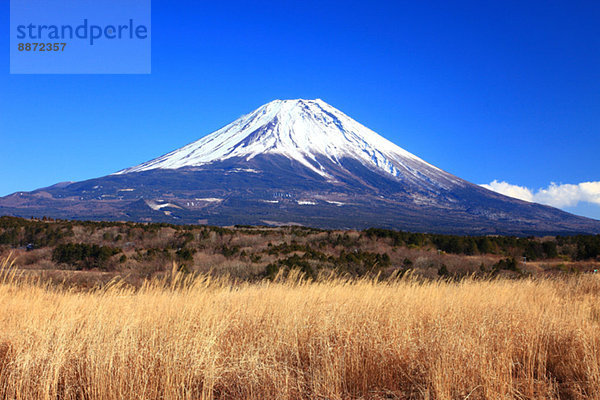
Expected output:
{"points": [[199, 337]]}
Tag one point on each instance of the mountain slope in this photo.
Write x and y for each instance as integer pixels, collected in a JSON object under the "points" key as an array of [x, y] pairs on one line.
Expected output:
{"points": [[296, 162]]}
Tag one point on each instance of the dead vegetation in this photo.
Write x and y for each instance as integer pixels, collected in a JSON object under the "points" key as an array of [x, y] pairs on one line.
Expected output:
{"points": [[200, 337]]}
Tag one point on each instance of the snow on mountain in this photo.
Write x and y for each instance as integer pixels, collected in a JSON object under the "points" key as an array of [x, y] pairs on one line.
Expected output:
{"points": [[307, 131]]}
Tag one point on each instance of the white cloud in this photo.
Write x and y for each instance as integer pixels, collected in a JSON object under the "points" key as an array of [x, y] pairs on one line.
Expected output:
{"points": [[555, 195], [505, 188]]}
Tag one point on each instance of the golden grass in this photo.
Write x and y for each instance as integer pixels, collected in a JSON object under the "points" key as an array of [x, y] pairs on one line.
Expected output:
{"points": [[208, 338]]}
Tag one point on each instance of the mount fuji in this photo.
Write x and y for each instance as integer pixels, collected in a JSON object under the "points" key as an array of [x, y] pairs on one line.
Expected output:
{"points": [[296, 162]]}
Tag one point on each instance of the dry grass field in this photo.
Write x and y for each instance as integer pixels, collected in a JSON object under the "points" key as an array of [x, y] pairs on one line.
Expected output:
{"points": [[211, 338]]}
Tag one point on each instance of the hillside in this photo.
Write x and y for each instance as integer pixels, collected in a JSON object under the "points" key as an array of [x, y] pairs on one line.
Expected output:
{"points": [[92, 252]]}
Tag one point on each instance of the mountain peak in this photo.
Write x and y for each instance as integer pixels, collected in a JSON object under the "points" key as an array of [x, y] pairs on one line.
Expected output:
{"points": [[296, 101], [310, 132]]}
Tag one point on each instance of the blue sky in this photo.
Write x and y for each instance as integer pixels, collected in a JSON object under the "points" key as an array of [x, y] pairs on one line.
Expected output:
{"points": [[489, 91]]}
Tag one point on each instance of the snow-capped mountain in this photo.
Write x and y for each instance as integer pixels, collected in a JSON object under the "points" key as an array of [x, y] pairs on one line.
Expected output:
{"points": [[304, 131], [296, 162]]}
